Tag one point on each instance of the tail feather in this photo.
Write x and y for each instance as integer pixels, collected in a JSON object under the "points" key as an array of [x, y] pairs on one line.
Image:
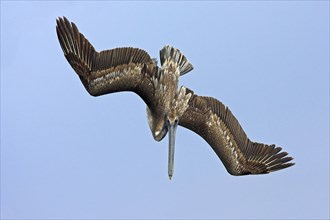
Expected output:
{"points": [[174, 55]]}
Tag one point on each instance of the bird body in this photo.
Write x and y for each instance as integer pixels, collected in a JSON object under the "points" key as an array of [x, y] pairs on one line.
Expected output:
{"points": [[132, 69]]}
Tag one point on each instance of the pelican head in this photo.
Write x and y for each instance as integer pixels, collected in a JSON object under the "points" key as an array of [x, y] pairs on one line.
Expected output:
{"points": [[161, 124]]}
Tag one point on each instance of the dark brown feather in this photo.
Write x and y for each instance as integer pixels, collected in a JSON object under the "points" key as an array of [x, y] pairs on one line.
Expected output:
{"points": [[115, 70], [228, 139]]}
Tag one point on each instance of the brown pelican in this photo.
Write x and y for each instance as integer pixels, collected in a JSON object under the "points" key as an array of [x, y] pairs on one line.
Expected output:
{"points": [[132, 69]]}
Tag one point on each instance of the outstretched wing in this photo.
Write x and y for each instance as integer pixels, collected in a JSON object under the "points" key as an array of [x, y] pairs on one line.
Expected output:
{"points": [[119, 69], [213, 121]]}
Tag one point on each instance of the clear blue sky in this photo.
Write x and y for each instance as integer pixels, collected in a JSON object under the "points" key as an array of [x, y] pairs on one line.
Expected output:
{"points": [[65, 154]]}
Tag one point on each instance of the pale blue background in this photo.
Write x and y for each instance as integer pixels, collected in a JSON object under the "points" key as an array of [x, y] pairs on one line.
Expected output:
{"points": [[65, 154]]}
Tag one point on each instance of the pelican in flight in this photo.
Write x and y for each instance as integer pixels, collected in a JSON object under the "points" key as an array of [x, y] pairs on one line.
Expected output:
{"points": [[132, 69]]}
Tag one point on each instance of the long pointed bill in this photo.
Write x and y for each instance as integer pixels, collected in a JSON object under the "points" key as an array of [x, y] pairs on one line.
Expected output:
{"points": [[171, 146]]}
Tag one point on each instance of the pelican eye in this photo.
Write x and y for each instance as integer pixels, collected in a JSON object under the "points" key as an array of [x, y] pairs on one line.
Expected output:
{"points": [[167, 120]]}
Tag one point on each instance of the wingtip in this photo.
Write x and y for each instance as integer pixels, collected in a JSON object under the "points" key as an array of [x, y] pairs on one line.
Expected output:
{"points": [[280, 164], [60, 19]]}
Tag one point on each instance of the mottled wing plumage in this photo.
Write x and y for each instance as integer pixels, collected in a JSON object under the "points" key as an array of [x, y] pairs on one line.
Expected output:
{"points": [[119, 69], [213, 121]]}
